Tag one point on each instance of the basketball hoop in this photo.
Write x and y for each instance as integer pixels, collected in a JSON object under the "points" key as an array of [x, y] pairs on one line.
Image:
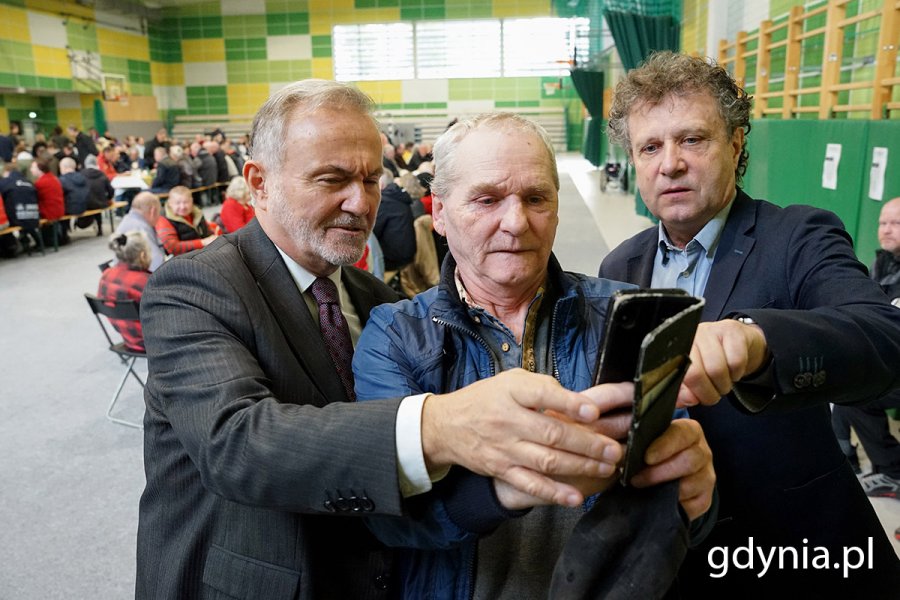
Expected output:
{"points": [[551, 87]]}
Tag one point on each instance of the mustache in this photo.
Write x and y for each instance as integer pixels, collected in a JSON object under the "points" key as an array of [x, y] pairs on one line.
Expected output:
{"points": [[348, 222]]}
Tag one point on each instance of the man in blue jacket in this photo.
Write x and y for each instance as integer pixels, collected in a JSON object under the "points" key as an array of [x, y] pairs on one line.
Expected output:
{"points": [[504, 303]]}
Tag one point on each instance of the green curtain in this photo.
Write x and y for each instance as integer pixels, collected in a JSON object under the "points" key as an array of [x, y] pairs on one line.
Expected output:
{"points": [[99, 117], [636, 36], [589, 85]]}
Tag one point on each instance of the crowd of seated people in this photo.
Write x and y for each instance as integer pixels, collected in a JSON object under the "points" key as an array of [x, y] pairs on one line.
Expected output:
{"points": [[404, 248], [76, 170]]}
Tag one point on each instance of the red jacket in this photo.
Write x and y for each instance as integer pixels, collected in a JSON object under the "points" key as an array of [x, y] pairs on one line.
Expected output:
{"points": [[121, 282], [235, 215], [51, 202], [104, 165]]}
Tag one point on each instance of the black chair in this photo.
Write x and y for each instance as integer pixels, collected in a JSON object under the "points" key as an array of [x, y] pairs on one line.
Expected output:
{"points": [[127, 310]]}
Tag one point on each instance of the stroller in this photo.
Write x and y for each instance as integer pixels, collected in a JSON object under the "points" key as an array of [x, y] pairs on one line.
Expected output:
{"points": [[615, 176]]}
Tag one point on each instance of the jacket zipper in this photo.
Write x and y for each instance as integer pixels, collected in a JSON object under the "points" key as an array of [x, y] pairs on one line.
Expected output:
{"points": [[471, 333], [470, 569]]}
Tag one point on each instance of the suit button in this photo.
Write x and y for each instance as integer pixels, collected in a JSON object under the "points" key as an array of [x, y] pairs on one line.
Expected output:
{"points": [[329, 506], [342, 504], [802, 380], [818, 379], [366, 504], [381, 582], [354, 503]]}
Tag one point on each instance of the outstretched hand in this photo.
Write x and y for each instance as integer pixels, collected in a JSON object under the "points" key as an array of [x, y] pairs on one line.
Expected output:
{"points": [[498, 427], [723, 352]]}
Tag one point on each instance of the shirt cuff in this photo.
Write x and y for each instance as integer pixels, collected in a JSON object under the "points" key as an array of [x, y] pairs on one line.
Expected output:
{"points": [[413, 474]]}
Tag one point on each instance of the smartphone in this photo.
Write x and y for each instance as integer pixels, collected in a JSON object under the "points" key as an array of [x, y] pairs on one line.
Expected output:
{"points": [[647, 341]]}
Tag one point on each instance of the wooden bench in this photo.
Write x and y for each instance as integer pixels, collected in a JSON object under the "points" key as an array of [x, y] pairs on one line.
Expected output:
{"points": [[109, 210]]}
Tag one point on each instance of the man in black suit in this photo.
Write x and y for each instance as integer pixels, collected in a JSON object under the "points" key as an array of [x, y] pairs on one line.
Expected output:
{"points": [[253, 447], [790, 274]]}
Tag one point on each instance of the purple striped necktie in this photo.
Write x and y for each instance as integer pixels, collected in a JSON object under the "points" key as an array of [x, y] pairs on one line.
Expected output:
{"points": [[335, 331]]}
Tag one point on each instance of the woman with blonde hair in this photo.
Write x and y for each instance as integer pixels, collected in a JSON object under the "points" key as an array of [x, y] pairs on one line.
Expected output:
{"points": [[236, 210]]}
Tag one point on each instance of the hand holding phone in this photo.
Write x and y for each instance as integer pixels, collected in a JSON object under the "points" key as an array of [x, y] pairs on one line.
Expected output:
{"points": [[648, 341]]}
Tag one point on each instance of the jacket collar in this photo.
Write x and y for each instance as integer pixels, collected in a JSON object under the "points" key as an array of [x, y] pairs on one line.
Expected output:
{"points": [[449, 305], [735, 244]]}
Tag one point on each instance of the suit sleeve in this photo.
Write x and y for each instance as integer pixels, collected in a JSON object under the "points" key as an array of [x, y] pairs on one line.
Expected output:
{"points": [[257, 429], [840, 339]]}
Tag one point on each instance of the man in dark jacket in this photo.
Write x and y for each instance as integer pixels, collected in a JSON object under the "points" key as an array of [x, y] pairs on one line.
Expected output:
{"points": [[84, 145], [75, 187], [221, 166], [21, 204], [168, 173], [204, 164], [394, 225], [6, 148], [99, 196], [870, 420], [791, 275], [159, 141]]}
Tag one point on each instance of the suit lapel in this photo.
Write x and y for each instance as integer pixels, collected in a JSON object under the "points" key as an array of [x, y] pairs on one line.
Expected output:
{"points": [[640, 266], [734, 247], [289, 309]]}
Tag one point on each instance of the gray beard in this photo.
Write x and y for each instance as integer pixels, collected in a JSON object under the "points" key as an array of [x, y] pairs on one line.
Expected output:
{"points": [[305, 235]]}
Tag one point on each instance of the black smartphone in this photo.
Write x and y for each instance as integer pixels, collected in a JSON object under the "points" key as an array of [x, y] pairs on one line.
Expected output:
{"points": [[648, 338]]}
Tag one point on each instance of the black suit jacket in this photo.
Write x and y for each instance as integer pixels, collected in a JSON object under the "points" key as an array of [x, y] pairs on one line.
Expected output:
{"points": [[781, 476], [250, 445]]}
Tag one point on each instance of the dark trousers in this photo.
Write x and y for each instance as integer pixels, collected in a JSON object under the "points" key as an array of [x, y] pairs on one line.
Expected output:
{"points": [[872, 427]]}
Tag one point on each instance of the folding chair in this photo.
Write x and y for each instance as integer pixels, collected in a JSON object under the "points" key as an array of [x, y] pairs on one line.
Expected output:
{"points": [[125, 310]]}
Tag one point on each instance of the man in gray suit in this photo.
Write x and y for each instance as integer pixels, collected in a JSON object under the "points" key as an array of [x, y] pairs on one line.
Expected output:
{"points": [[252, 445]]}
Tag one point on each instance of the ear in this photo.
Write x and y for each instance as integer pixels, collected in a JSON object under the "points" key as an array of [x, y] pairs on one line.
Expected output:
{"points": [[437, 215], [255, 176], [737, 142]]}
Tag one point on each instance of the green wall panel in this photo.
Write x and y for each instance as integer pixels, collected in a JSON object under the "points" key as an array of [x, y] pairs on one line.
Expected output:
{"points": [[251, 26], [292, 23], [245, 49], [885, 134], [193, 28], [786, 159], [321, 46], [81, 35]]}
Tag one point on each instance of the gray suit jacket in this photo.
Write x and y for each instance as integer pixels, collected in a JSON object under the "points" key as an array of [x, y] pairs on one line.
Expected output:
{"points": [[250, 445], [780, 475]]}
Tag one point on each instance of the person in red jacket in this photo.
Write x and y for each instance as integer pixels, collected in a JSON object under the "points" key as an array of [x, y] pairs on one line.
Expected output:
{"points": [[106, 162], [183, 227], [51, 200], [236, 210]]}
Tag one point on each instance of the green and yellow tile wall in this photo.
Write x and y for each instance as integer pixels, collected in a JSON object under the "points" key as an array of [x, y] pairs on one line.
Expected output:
{"points": [[227, 56]]}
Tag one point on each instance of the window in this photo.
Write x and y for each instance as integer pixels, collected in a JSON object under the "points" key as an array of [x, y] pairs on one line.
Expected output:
{"points": [[446, 49], [457, 49], [371, 52], [534, 47]]}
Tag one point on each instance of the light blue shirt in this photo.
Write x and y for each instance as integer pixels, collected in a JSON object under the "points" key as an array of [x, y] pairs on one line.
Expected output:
{"points": [[688, 268]]}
